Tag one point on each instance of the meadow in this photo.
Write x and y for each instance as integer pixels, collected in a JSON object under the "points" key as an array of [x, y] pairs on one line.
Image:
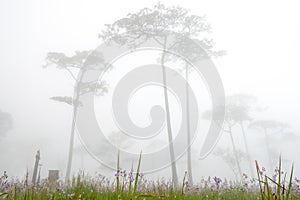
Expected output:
{"points": [[134, 185]]}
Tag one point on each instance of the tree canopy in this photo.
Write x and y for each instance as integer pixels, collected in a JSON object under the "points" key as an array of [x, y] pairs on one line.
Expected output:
{"points": [[6, 123]]}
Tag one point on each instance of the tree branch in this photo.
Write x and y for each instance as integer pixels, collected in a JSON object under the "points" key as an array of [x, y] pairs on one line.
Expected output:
{"points": [[72, 75]]}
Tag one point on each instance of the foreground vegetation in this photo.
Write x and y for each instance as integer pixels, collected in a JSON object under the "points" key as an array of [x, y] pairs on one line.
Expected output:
{"points": [[133, 185]]}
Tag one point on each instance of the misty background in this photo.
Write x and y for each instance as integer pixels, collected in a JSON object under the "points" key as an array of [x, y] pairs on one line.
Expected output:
{"points": [[262, 44]]}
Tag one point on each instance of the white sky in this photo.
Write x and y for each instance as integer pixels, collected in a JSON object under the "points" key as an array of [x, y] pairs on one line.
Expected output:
{"points": [[262, 39]]}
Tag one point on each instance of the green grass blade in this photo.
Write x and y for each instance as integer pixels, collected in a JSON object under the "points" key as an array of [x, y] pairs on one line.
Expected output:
{"points": [[259, 180], [2, 194], [118, 172], [183, 183], [130, 181], [290, 183], [279, 180], [137, 174], [267, 188]]}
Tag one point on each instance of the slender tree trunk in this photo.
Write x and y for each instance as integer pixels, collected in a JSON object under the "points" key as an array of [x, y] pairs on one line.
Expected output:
{"points": [[71, 143], [247, 149], [189, 153], [169, 128], [235, 153], [235, 175], [75, 109], [36, 165], [268, 148]]}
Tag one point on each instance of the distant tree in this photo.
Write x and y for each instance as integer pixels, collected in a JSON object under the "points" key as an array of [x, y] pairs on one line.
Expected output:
{"points": [[268, 126], [72, 64], [237, 108], [228, 157], [242, 105], [289, 136], [158, 24], [116, 138], [193, 52], [6, 123]]}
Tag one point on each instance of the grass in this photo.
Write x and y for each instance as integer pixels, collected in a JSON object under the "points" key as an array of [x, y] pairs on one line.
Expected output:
{"points": [[270, 189], [133, 185]]}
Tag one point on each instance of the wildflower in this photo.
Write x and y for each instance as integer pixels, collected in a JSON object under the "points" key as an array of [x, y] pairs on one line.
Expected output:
{"points": [[217, 180], [71, 195], [213, 188], [132, 178], [274, 177]]}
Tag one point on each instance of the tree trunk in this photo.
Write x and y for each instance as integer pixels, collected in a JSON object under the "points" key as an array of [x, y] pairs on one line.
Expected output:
{"points": [[235, 175], [189, 153], [75, 109], [247, 149], [71, 144], [235, 154], [169, 128], [268, 148]]}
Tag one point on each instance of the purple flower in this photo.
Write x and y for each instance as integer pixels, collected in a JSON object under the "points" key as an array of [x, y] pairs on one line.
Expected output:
{"points": [[275, 177], [213, 188], [217, 180], [117, 174]]}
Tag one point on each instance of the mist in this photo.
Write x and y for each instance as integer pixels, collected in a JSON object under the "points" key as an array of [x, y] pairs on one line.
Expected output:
{"points": [[261, 64]]}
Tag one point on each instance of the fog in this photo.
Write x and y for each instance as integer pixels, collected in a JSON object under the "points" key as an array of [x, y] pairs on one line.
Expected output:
{"points": [[262, 45]]}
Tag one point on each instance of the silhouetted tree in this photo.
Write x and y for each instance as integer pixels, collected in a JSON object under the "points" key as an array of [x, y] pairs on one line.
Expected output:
{"points": [[236, 112], [243, 105], [158, 24], [6, 123], [228, 157], [269, 126], [73, 64], [193, 51], [289, 136]]}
